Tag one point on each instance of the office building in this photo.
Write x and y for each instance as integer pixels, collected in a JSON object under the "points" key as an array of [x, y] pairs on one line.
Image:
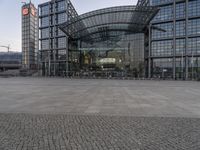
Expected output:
{"points": [[175, 52], [53, 42], [10, 60], [155, 38], [29, 36], [108, 41]]}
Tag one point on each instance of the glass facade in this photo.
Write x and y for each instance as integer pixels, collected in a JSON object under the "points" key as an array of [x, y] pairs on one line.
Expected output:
{"points": [[45, 22], [99, 43], [180, 28], [53, 42], [193, 8], [61, 18], [194, 26], [158, 2], [162, 67], [165, 13], [109, 42], [180, 10], [168, 27], [114, 57], [193, 46], [180, 47], [162, 48], [10, 60], [175, 50], [44, 10]]}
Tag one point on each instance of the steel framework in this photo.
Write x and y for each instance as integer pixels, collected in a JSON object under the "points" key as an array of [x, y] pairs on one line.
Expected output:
{"points": [[101, 23]]}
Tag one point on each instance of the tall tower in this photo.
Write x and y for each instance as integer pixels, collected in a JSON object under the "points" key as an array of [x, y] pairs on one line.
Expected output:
{"points": [[29, 36]]}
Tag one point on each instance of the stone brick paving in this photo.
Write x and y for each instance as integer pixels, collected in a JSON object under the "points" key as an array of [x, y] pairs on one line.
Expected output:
{"points": [[97, 132], [117, 97], [63, 114]]}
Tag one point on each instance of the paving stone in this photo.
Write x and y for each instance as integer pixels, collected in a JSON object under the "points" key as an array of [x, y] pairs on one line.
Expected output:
{"points": [[97, 132], [65, 114]]}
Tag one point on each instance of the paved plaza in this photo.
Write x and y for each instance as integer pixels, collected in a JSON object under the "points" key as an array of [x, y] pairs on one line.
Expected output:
{"points": [[62, 114]]}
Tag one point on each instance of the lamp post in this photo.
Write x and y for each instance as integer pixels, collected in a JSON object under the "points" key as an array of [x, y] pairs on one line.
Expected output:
{"points": [[182, 64], [192, 64]]}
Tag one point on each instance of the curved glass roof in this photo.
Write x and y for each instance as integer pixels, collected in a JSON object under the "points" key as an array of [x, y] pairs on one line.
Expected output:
{"points": [[99, 23]]}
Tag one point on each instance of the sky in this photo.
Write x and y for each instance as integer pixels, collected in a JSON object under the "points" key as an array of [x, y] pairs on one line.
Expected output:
{"points": [[10, 17]]}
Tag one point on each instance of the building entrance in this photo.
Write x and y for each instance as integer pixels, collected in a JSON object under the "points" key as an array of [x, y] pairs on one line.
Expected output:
{"points": [[105, 62], [122, 56]]}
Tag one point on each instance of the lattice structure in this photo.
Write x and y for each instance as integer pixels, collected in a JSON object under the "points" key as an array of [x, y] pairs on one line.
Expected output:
{"points": [[105, 23]]}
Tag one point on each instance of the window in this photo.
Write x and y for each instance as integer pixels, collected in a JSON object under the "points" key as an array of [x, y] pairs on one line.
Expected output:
{"points": [[162, 48], [165, 13], [194, 26], [180, 28], [44, 10], [180, 46], [61, 42], [162, 63], [44, 44], [194, 45], [45, 33], [158, 2], [60, 33], [45, 21], [168, 27], [61, 6], [193, 8], [62, 18], [180, 10]]}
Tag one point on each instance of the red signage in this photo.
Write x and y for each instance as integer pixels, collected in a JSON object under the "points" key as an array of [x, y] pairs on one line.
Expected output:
{"points": [[25, 11]]}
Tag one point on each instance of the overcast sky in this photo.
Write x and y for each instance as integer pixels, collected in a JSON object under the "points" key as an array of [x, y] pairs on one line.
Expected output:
{"points": [[10, 17]]}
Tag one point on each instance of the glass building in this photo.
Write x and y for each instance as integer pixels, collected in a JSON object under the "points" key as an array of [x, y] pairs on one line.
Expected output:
{"points": [[155, 38], [109, 42], [52, 41], [29, 36], [10, 60], [175, 52]]}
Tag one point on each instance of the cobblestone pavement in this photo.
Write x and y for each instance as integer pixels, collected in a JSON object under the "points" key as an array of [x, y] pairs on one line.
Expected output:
{"points": [[97, 132], [65, 114]]}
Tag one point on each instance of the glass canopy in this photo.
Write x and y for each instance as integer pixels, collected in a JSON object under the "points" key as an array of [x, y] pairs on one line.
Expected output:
{"points": [[100, 24]]}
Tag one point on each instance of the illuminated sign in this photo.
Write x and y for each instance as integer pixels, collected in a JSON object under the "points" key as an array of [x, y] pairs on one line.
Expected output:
{"points": [[25, 11], [107, 61]]}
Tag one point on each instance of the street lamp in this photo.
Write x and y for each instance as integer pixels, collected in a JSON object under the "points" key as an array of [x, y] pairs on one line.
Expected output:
{"points": [[182, 64], [192, 62]]}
